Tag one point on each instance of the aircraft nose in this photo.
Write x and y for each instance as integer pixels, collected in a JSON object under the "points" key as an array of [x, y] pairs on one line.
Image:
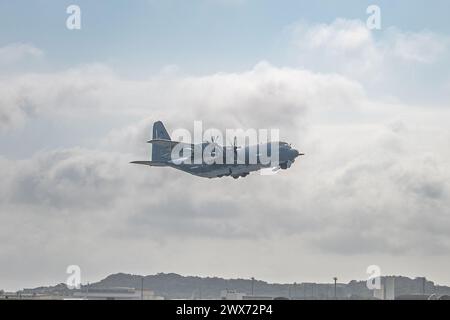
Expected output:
{"points": [[295, 153]]}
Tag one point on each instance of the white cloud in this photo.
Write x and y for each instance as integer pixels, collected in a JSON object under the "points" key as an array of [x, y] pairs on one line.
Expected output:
{"points": [[344, 46], [351, 39], [16, 52], [234, 98], [390, 62], [422, 47], [341, 35]]}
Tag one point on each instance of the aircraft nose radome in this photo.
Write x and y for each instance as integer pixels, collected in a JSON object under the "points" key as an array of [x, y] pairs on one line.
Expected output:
{"points": [[295, 153]]}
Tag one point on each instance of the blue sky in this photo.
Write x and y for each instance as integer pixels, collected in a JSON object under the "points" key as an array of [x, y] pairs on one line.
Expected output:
{"points": [[198, 36]]}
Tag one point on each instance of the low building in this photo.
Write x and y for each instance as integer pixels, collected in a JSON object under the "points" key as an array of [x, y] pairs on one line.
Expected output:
{"points": [[386, 290], [116, 294], [234, 295]]}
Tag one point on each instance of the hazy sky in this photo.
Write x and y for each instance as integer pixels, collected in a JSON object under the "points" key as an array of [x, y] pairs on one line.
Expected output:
{"points": [[369, 108]]}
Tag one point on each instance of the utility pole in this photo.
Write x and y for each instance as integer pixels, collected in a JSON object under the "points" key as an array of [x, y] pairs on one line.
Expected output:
{"points": [[295, 286], [142, 287], [253, 284], [423, 285], [335, 280]]}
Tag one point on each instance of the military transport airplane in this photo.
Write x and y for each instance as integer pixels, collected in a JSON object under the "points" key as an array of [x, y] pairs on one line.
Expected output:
{"points": [[239, 166]]}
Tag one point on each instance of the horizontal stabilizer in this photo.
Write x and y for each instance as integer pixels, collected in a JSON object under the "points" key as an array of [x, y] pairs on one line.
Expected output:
{"points": [[169, 143], [151, 163]]}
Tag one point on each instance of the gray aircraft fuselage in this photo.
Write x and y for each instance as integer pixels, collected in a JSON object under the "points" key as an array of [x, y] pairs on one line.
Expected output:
{"points": [[222, 161], [242, 166]]}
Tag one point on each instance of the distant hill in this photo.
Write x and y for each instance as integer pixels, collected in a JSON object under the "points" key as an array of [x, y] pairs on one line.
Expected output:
{"points": [[175, 286]]}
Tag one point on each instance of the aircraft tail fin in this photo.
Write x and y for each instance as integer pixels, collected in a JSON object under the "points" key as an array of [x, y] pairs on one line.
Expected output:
{"points": [[160, 152], [159, 131]]}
